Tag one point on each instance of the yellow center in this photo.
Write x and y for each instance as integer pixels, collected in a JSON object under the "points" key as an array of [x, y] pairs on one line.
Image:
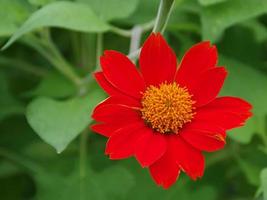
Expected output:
{"points": [[167, 108]]}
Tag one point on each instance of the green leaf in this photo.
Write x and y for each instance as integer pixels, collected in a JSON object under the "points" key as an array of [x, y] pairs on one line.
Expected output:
{"points": [[216, 18], [210, 2], [40, 2], [254, 91], [12, 14], [54, 85], [112, 9], [74, 16], [113, 183], [264, 183], [59, 122], [8, 104]]}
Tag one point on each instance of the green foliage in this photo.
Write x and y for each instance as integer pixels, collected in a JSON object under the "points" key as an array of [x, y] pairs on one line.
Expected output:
{"points": [[54, 85], [264, 183], [97, 186], [47, 92], [112, 9], [218, 17], [59, 122], [78, 17], [12, 14], [8, 104]]}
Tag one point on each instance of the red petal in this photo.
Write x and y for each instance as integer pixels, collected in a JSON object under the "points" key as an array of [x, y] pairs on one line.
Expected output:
{"points": [[204, 141], [204, 136], [157, 60], [189, 159], [122, 73], [102, 81], [226, 112], [112, 113], [150, 148], [230, 104], [208, 86], [121, 100], [106, 129], [165, 171], [123, 142], [197, 59]]}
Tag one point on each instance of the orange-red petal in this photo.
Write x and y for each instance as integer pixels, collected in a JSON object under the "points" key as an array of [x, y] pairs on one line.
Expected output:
{"points": [[122, 142], [157, 61], [122, 73], [113, 113], [196, 60], [226, 112], [205, 137], [150, 148], [103, 82], [187, 157], [165, 171], [208, 86]]}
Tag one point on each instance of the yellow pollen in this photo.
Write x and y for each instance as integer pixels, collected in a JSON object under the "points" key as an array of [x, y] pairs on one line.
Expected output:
{"points": [[167, 108]]}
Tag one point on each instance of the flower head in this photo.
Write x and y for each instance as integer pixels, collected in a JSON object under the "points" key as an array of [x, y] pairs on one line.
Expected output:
{"points": [[165, 115]]}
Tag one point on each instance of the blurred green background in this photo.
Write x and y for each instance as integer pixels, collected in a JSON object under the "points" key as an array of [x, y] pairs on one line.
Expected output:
{"points": [[47, 95]]}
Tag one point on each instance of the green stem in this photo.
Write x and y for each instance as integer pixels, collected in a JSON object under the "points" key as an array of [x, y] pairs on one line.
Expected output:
{"points": [[19, 160], [48, 50], [163, 15], [128, 33], [83, 162], [99, 49], [22, 65]]}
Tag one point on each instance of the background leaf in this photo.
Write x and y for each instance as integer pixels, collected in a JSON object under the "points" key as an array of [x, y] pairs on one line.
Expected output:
{"points": [[59, 122], [264, 183], [112, 9], [74, 16], [12, 14], [218, 17]]}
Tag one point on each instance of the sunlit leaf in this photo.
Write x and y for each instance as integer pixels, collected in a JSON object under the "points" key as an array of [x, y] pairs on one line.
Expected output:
{"points": [[112, 9], [74, 16], [59, 122], [216, 18]]}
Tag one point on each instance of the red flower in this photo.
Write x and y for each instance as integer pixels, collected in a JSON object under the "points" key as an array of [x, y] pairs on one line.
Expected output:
{"points": [[164, 116]]}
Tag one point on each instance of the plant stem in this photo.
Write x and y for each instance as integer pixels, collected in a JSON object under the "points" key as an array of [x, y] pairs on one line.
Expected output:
{"points": [[83, 162], [46, 48], [22, 65], [163, 15], [99, 49], [128, 33], [20, 161]]}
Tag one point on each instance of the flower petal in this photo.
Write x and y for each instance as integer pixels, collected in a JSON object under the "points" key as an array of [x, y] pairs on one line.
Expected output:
{"points": [[208, 86], [204, 136], [230, 104], [225, 112], [102, 81], [113, 113], [122, 142], [157, 60], [106, 129], [189, 159], [197, 59], [122, 100], [122, 73], [165, 171], [150, 148]]}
